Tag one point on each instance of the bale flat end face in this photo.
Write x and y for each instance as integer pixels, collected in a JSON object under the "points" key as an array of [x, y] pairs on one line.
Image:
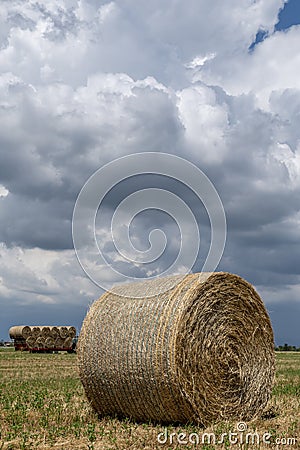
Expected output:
{"points": [[225, 356], [200, 352]]}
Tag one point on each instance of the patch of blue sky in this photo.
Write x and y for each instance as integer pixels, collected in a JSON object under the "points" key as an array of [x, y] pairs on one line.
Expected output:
{"points": [[288, 16]]}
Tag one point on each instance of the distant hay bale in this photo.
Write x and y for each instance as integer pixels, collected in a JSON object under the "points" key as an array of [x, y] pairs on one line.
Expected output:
{"points": [[63, 332], [45, 332], [49, 342], [54, 332], [59, 342], [35, 331], [42, 337], [40, 343], [71, 332], [201, 351], [31, 342], [68, 342], [20, 331]]}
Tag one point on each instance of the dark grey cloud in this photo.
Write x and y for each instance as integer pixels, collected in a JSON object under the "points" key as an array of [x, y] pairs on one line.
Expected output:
{"points": [[45, 314], [285, 321], [33, 223], [83, 83]]}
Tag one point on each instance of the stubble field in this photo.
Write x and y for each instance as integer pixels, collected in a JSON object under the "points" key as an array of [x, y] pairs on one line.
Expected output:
{"points": [[43, 406]]}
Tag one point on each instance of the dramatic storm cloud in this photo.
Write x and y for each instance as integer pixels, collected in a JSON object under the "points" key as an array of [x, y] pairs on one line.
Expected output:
{"points": [[84, 82]]}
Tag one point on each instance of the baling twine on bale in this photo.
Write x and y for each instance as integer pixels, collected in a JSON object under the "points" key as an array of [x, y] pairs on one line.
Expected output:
{"points": [[199, 351]]}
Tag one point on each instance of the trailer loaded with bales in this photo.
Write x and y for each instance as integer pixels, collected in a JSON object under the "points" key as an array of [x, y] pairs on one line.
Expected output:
{"points": [[46, 339]]}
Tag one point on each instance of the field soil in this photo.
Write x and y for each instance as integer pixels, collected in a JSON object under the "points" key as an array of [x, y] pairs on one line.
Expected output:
{"points": [[43, 406]]}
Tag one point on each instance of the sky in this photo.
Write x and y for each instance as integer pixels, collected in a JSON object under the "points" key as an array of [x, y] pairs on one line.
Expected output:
{"points": [[84, 82]]}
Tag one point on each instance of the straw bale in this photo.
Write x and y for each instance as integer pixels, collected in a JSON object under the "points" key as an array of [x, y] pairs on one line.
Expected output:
{"points": [[20, 331], [31, 342], [68, 342], [201, 352], [35, 331], [63, 332], [49, 342], [40, 343], [71, 332], [45, 331], [54, 332], [59, 342]]}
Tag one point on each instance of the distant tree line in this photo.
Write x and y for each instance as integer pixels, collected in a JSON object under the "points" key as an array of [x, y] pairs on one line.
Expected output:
{"points": [[287, 348]]}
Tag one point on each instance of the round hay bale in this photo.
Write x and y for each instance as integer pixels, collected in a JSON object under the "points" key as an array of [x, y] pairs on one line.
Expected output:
{"points": [[40, 343], [45, 332], [68, 342], [31, 342], [71, 332], [35, 331], [59, 342], [63, 332], [49, 342], [200, 352], [54, 332], [20, 331]]}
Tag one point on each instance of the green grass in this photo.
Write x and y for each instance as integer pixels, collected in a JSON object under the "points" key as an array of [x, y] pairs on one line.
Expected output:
{"points": [[288, 374], [43, 406]]}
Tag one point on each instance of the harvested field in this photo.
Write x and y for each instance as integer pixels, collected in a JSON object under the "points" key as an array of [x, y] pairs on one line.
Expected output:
{"points": [[43, 406]]}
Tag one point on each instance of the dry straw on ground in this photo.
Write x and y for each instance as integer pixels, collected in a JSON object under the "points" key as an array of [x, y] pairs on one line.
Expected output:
{"points": [[199, 352]]}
